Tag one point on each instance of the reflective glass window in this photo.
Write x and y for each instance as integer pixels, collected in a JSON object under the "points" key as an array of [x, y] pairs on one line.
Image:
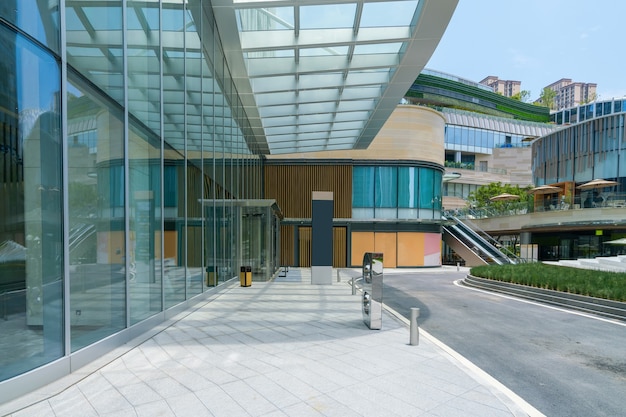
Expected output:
{"points": [[94, 43], [40, 19], [145, 223], [426, 188], [96, 207], [31, 243], [386, 187], [363, 186], [144, 62], [407, 187]]}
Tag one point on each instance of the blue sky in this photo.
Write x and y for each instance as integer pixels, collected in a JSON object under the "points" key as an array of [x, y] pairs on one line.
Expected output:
{"points": [[537, 42]]}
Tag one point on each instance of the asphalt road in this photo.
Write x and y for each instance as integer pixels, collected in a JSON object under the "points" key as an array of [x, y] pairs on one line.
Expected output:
{"points": [[563, 364]]}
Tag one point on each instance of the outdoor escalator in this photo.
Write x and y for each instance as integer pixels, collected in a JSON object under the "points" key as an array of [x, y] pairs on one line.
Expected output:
{"points": [[472, 247]]}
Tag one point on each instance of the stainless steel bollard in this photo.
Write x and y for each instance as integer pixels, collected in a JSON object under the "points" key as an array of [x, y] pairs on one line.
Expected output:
{"points": [[457, 266], [415, 331], [353, 285]]}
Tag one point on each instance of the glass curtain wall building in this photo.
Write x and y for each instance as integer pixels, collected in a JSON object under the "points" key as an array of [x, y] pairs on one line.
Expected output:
{"points": [[133, 135], [122, 167]]}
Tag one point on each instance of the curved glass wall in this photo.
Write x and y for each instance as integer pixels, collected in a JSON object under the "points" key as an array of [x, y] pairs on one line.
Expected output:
{"points": [[392, 192], [582, 152]]}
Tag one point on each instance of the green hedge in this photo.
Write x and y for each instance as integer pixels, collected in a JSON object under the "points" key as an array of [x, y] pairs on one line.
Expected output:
{"points": [[515, 108], [600, 284]]}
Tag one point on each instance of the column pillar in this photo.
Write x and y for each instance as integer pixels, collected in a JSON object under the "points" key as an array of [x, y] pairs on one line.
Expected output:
{"points": [[322, 238]]}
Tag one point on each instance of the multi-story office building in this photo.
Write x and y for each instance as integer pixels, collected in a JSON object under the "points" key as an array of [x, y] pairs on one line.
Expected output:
{"points": [[507, 88], [133, 138], [570, 94]]}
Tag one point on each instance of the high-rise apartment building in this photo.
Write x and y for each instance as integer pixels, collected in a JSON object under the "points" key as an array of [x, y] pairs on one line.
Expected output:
{"points": [[571, 94], [507, 88]]}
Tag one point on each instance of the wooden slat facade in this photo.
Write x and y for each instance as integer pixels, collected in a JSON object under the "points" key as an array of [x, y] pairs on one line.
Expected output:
{"points": [[286, 245], [292, 187]]}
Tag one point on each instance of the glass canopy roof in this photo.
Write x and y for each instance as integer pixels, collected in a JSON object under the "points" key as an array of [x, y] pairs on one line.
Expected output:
{"points": [[325, 75], [311, 75]]}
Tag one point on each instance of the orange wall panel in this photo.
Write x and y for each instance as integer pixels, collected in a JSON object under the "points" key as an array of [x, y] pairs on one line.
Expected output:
{"points": [[386, 242], [410, 249], [170, 245], [361, 242]]}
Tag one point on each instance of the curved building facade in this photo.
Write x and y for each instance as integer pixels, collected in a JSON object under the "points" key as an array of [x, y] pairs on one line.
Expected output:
{"points": [[582, 152], [570, 159], [387, 197]]}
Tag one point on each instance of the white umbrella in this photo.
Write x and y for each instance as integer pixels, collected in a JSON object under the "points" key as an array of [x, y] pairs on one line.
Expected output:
{"points": [[597, 183], [504, 197], [621, 241], [545, 189]]}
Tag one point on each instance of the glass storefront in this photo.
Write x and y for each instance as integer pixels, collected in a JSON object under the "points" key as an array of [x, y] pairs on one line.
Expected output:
{"points": [[123, 173]]}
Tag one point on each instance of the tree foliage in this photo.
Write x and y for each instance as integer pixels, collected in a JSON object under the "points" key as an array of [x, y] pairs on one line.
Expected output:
{"points": [[547, 97], [522, 96], [481, 197]]}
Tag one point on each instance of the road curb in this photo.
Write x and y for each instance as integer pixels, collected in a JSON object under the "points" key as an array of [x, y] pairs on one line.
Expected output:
{"points": [[599, 306]]}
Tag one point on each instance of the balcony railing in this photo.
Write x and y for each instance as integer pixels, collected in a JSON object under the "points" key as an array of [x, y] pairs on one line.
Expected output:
{"points": [[512, 208], [471, 167]]}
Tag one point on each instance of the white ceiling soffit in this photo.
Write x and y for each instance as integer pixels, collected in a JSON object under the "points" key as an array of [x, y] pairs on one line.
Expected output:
{"points": [[319, 75]]}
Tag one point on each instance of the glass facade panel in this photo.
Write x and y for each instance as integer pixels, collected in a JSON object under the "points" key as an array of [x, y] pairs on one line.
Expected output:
{"points": [[427, 193], [145, 223], [31, 248], [144, 62], [95, 43], [96, 212], [363, 187], [407, 187], [396, 192], [386, 187], [40, 19]]}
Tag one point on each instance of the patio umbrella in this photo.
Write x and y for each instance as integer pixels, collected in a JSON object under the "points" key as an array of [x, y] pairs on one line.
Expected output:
{"points": [[597, 183], [545, 189], [621, 241], [504, 197]]}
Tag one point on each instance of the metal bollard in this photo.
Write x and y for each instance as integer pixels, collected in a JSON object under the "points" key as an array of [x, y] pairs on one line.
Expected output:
{"points": [[353, 285], [415, 331], [457, 266], [338, 279]]}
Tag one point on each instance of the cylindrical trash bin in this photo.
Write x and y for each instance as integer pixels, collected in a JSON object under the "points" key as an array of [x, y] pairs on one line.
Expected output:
{"points": [[211, 278], [245, 276]]}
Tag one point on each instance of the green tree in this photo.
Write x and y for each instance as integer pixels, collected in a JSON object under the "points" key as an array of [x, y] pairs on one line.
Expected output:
{"points": [[592, 97], [547, 97], [481, 198], [522, 96]]}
